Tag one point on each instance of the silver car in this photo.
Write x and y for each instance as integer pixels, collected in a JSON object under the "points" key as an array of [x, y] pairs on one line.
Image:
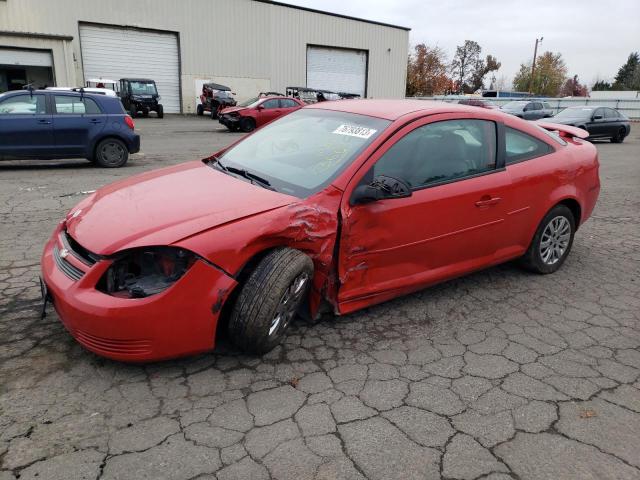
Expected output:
{"points": [[528, 109]]}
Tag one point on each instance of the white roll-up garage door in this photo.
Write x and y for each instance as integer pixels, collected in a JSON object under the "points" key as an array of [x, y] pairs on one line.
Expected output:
{"points": [[115, 53], [337, 69]]}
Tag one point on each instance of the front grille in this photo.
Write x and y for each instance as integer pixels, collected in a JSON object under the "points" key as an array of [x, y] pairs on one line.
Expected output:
{"points": [[108, 345], [68, 269], [78, 251]]}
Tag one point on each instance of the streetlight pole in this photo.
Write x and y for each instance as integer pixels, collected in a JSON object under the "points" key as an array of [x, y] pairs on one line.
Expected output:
{"points": [[533, 65]]}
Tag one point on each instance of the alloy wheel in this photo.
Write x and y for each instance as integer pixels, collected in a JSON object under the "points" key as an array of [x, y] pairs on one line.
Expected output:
{"points": [[288, 305], [555, 240]]}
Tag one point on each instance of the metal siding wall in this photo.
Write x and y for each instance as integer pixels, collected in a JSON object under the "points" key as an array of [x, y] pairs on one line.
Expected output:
{"points": [[254, 42]]}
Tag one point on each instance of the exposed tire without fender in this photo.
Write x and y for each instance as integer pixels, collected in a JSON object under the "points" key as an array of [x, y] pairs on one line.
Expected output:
{"points": [[552, 242], [269, 299], [200, 110], [111, 153], [160, 111]]}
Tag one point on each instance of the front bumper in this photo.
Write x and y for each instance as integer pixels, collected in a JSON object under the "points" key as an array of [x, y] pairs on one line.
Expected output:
{"points": [[229, 121], [180, 321]]}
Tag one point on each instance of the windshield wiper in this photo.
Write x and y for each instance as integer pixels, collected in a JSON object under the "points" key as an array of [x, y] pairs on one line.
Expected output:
{"points": [[252, 177]]}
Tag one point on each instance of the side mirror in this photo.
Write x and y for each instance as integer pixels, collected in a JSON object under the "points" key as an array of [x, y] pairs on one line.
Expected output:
{"points": [[260, 107], [598, 117], [382, 187]]}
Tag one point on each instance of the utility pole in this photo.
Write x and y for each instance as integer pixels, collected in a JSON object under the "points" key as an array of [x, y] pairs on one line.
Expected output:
{"points": [[533, 65]]}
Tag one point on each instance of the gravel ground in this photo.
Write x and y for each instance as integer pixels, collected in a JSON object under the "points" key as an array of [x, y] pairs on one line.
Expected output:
{"points": [[498, 375]]}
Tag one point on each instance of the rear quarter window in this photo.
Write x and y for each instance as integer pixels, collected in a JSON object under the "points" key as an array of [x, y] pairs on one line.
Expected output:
{"points": [[521, 146]]}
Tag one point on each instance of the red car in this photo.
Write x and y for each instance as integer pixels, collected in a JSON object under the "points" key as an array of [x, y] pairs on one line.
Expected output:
{"points": [[254, 113], [335, 207]]}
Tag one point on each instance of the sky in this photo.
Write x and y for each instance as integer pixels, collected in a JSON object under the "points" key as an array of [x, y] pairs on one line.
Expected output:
{"points": [[595, 37]]}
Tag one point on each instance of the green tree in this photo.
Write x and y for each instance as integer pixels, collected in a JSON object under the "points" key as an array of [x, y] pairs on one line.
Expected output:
{"points": [[464, 65], [549, 76], [481, 70], [601, 85], [628, 77]]}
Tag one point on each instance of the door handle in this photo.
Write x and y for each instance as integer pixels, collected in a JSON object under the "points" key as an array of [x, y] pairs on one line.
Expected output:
{"points": [[487, 201], [95, 120], [44, 121]]}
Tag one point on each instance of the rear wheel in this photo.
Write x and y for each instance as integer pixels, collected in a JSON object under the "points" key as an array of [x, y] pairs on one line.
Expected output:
{"points": [[552, 242], [160, 111], [619, 136], [247, 124], [111, 153], [269, 300]]}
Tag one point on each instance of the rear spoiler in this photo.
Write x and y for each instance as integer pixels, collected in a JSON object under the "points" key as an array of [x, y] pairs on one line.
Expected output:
{"points": [[565, 131]]}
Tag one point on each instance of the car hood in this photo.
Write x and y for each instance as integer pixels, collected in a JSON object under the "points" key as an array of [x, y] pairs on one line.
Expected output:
{"points": [[164, 206], [233, 109]]}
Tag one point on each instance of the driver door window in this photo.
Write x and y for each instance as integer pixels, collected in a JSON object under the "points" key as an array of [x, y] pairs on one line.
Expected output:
{"points": [[269, 104], [441, 152]]}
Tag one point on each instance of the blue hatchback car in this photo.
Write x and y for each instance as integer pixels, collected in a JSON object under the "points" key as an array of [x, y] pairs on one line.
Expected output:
{"points": [[49, 124]]}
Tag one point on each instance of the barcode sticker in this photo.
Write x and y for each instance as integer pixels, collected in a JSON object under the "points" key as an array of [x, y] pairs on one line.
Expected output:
{"points": [[354, 131]]}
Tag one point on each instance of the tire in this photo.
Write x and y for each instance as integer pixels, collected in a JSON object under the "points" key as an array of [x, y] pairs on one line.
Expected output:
{"points": [[214, 111], [247, 124], [200, 110], [111, 153], [160, 111], [619, 137], [145, 112], [547, 260], [269, 299], [133, 112]]}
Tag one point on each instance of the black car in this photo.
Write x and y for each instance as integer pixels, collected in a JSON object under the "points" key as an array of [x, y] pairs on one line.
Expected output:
{"points": [[140, 95], [215, 98], [50, 124], [600, 122]]}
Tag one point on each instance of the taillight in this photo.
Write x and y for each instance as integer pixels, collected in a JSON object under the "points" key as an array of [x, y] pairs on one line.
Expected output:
{"points": [[129, 121]]}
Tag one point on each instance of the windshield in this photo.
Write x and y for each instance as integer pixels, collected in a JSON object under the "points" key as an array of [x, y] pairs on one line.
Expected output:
{"points": [[143, 88], [301, 153], [250, 102], [575, 112], [514, 105]]}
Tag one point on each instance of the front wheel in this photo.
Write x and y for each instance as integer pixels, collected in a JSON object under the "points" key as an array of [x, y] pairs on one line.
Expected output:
{"points": [[247, 124], [269, 300], [111, 153], [619, 136], [552, 242], [200, 110], [160, 111], [133, 112]]}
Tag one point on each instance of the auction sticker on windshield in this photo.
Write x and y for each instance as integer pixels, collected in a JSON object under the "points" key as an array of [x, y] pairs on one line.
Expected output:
{"points": [[354, 131]]}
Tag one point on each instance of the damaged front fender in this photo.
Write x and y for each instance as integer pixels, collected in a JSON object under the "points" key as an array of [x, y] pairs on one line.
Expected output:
{"points": [[310, 226]]}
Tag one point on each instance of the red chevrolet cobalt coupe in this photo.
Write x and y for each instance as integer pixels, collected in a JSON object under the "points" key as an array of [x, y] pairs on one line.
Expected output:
{"points": [[337, 206]]}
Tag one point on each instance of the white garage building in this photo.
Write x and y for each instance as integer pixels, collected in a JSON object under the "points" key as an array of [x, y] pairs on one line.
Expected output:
{"points": [[250, 45]]}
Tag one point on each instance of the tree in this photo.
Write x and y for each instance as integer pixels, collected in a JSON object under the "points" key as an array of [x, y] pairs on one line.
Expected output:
{"points": [[628, 77], [601, 85], [481, 69], [427, 72], [464, 65], [573, 88], [549, 76]]}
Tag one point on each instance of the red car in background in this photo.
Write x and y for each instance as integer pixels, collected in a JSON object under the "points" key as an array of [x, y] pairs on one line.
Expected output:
{"points": [[332, 208], [254, 113]]}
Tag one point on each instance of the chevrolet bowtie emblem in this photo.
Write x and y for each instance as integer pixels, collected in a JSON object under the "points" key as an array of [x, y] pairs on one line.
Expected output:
{"points": [[64, 253]]}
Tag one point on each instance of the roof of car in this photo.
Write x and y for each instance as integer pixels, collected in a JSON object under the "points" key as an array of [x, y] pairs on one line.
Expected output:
{"points": [[138, 79], [390, 109]]}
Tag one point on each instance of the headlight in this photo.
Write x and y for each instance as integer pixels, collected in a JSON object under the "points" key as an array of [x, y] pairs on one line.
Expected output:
{"points": [[143, 272]]}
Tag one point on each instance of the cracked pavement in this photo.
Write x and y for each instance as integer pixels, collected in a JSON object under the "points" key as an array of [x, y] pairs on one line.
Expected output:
{"points": [[498, 375]]}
